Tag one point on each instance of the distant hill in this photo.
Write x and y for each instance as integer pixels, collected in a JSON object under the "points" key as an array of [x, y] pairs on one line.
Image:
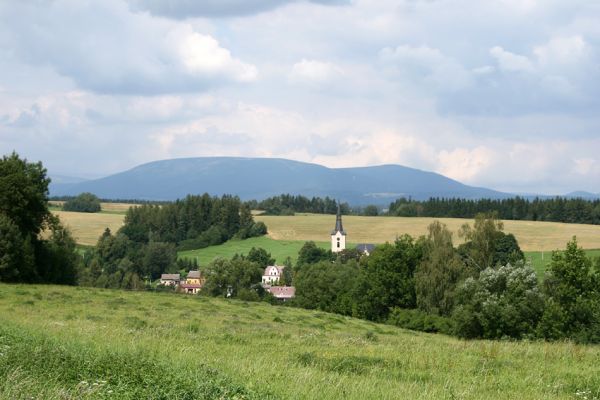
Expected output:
{"points": [[259, 178], [582, 195]]}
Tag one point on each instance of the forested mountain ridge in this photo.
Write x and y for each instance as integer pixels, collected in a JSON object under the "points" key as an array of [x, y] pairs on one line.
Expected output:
{"points": [[260, 178]]}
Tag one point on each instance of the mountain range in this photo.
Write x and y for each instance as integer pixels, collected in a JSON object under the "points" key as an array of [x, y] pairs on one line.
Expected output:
{"points": [[259, 178]]}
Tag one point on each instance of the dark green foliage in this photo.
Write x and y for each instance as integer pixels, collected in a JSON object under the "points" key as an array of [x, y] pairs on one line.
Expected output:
{"points": [[24, 193], [558, 209], [310, 253], [85, 202], [233, 277], [287, 204], [370, 211], [387, 279], [420, 321], [24, 216], [441, 270], [573, 293], [260, 256], [326, 286], [194, 222]]}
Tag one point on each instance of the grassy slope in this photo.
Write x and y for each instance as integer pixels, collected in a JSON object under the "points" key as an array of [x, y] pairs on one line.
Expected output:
{"points": [[279, 249], [207, 347]]}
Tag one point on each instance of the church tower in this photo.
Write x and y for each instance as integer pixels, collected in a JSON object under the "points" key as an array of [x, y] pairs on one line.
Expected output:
{"points": [[338, 236]]}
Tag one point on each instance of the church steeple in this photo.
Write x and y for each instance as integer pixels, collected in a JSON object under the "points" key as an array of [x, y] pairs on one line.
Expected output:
{"points": [[338, 222], [338, 235]]}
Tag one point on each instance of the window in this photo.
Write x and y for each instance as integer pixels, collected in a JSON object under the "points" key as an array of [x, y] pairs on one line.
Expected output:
{"points": [[338, 245]]}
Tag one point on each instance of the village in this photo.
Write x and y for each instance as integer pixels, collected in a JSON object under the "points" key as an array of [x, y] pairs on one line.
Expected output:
{"points": [[272, 275]]}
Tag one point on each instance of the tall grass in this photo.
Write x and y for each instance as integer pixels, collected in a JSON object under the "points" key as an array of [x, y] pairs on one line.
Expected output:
{"points": [[161, 345]]}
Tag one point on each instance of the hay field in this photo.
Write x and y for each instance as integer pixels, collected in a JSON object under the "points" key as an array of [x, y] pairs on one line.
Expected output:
{"points": [[74, 342], [87, 227], [114, 208], [532, 236]]}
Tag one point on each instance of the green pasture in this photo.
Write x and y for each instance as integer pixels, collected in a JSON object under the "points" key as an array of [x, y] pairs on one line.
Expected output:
{"points": [[279, 249], [83, 343]]}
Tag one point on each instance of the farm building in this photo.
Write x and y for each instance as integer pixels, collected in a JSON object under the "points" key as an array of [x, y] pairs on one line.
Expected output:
{"points": [[170, 279], [365, 248], [193, 283], [272, 275], [282, 293]]}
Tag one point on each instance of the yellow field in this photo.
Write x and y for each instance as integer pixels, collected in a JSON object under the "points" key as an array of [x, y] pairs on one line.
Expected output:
{"points": [[532, 236], [87, 227]]}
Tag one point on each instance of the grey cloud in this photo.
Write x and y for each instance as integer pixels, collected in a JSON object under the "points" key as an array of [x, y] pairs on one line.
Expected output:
{"points": [[181, 9], [105, 48]]}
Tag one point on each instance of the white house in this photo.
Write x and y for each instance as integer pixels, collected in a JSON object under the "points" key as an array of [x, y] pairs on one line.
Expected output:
{"points": [[338, 236], [365, 248], [273, 275]]}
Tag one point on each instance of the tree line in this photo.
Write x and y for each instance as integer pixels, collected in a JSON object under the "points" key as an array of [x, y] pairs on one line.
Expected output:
{"points": [[288, 204], [558, 209]]}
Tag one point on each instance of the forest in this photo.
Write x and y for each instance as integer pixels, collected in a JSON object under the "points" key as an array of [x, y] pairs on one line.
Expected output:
{"points": [[558, 209]]}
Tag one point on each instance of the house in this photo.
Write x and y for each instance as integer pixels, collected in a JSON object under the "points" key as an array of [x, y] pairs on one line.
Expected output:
{"points": [[170, 279], [365, 248], [193, 283], [338, 235], [282, 293], [272, 275]]}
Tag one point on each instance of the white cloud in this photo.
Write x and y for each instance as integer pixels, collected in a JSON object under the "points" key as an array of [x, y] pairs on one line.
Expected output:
{"points": [[314, 72], [561, 50], [465, 164], [510, 61]]}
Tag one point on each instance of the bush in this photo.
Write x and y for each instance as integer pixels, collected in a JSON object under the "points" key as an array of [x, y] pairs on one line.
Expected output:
{"points": [[85, 202], [420, 321]]}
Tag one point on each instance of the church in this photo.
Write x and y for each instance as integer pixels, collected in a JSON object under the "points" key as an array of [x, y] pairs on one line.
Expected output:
{"points": [[338, 235], [338, 238]]}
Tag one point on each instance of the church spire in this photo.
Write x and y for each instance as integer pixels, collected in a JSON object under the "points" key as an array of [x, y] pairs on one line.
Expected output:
{"points": [[338, 222]]}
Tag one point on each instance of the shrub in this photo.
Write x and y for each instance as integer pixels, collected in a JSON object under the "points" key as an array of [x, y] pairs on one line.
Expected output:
{"points": [[85, 202], [420, 321]]}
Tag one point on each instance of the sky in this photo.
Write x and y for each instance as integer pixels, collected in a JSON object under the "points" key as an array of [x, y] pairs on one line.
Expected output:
{"points": [[503, 94]]}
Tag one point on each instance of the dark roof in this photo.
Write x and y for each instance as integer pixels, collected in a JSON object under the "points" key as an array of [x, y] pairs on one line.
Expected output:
{"points": [[338, 222], [365, 247]]}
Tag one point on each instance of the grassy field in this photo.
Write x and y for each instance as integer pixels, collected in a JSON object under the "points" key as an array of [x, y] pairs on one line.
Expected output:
{"points": [[87, 227], [279, 249], [532, 236], [295, 230], [67, 343]]}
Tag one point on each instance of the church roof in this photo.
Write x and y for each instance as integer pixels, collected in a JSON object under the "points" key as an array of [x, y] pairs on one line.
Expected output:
{"points": [[338, 223]]}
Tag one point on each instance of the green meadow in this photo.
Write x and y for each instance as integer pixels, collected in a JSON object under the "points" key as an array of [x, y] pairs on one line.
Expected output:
{"points": [[279, 249], [83, 343]]}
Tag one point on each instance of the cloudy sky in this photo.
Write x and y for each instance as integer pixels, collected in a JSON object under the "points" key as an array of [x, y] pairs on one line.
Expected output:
{"points": [[500, 93]]}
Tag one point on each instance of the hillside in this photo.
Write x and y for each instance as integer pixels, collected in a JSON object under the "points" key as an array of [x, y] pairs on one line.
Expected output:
{"points": [[259, 178], [61, 342]]}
